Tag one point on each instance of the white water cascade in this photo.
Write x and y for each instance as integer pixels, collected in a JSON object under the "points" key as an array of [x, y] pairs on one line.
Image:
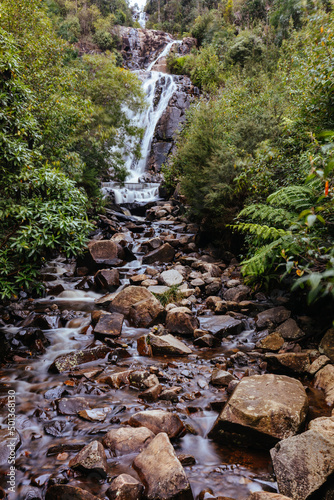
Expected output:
{"points": [[134, 190]]}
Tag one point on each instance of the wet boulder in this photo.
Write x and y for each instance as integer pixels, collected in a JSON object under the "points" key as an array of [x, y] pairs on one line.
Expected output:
{"points": [[107, 279], [109, 325], [158, 421], [8, 445], [327, 344], [303, 463], [221, 326], [272, 317], [181, 320], [72, 406], [289, 330], [91, 459], [163, 254], [221, 378], [66, 362], [288, 362], [272, 342], [127, 440], [103, 251], [266, 495], [237, 293], [168, 480], [262, 410], [167, 345], [138, 305], [125, 487], [65, 491]]}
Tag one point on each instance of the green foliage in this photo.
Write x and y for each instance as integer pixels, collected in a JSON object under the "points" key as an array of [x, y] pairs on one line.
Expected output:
{"points": [[173, 294]]}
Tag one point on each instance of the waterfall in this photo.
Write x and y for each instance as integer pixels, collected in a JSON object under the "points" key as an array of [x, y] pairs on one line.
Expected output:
{"points": [[152, 81]]}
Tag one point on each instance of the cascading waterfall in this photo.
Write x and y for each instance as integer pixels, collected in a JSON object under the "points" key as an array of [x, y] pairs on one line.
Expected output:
{"points": [[134, 190]]}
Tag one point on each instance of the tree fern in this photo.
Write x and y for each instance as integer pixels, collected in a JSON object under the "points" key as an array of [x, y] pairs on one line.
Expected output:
{"points": [[272, 215], [261, 231], [296, 197]]}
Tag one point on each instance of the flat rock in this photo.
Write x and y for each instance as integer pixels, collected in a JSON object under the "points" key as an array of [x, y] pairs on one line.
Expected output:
{"points": [[171, 278], [266, 495], [221, 325], [125, 487], [68, 361], [262, 410], [91, 459], [303, 463], [109, 324], [158, 289], [127, 440], [66, 492], [288, 362], [318, 363], [181, 320], [72, 406], [167, 344], [158, 421], [272, 342], [324, 380], [272, 317], [165, 253], [168, 480]]}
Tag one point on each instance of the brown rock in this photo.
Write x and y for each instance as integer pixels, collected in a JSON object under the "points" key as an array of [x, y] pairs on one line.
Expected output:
{"points": [[327, 344], [72, 406], [125, 487], [237, 294], [289, 330], [272, 317], [66, 362], [266, 495], [107, 279], [167, 344], [138, 279], [137, 304], [168, 481], [109, 325], [221, 377], [303, 463], [324, 380], [151, 394], [289, 362], [116, 380], [181, 320], [163, 254], [272, 342], [103, 251], [91, 458], [262, 410], [318, 363], [158, 421], [127, 440], [67, 492], [221, 326]]}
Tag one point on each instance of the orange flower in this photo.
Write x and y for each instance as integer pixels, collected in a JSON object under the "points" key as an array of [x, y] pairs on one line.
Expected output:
{"points": [[326, 188]]}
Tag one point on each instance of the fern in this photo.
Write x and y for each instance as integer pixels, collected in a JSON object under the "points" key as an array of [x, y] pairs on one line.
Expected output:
{"points": [[272, 215], [297, 197], [261, 231], [262, 260]]}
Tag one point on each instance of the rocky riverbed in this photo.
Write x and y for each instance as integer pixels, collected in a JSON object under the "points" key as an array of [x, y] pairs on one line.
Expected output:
{"points": [[150, 371]]}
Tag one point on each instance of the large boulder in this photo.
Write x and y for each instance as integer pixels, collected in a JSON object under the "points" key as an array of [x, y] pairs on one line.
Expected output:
{"points": [[127, 440], [237, 293], [163, 254], [167, 344], [91, 459], [158, 421], [324, 380], [288, 362], [138, 305], [221, 326], [167, 480], [289, 330], [125, 487], [181, 320], [272, 317], [303, 463], [109, 324], [107, 279], [262, 410], [103, 251]]}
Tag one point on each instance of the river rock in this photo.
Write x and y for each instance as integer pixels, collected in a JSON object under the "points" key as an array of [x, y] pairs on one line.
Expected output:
{"points": [[272, 342], [266, 495], [66, 362], [163, 254], [72, 406], [167, 344], [103, 251], [237, 293], [127, 440], [109, 324], [221, 326], [125, 487], [327, 344], [324, 380], [67, 492], [171, 278], [221, 377], [107, 279], [272, 317], [168, 480], [289, 330], [288, 362], [158, 421], [92, 458], [318, 363], [138, 305], [138, 279], [8, 445], [262, 410], [181, 320], [303, 463]]}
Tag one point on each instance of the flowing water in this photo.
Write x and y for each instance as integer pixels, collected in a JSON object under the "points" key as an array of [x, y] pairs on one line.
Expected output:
{"points": [[229, 472]]}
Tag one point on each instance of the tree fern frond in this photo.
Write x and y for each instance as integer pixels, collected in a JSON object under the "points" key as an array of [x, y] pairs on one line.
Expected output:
{"points": [[296, 197], [262, 260], [261, 231], [269, 214]]}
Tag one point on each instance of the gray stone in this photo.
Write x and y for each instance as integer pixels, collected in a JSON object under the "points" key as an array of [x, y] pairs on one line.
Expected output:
{"points": [[67, 492], [127, 440], [221, 325], [91, 459], [318, 363], [289, 330], [8, 445], [272, 317], [125, 487], [163, 254], [158, 421], [68, 361], [324, 380], [171, 278], [221, 377], [181, 320], [237, 293], [109, 324], [167, 344]]}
